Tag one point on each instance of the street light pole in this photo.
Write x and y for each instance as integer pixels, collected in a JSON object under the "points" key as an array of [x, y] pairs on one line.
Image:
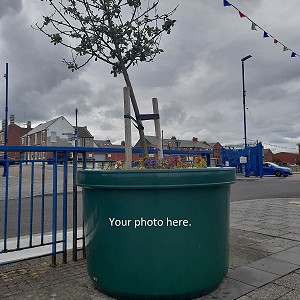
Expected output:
{"points": [[244, 97]]}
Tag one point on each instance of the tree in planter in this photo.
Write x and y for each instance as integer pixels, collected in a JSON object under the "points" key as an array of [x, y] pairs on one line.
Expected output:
{"points": [[118, 32]]}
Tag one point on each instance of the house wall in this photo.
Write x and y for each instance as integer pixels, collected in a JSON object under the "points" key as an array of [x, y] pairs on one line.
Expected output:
{"points": [[61, 127], [43, 138], [85, 142], [14, 133], [285, 158], [217, 153], [268, 155], [119, 156]]}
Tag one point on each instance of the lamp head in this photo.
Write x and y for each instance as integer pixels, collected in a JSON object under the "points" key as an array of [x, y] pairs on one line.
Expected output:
{"points": [[246, 57]]}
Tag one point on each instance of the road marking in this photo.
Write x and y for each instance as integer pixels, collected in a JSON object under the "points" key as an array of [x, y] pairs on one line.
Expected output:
{"points": [[295, 202]]}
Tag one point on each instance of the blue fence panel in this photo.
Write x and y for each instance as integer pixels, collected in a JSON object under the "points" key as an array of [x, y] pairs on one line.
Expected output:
{"points": [[253, 156]]}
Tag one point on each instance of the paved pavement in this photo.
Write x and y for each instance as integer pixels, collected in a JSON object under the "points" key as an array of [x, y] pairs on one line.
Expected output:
{"points": [[264, 261]]}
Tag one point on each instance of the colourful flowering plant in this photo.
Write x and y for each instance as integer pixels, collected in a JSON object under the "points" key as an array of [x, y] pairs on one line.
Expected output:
{"points": [[173, 162], [168, 162]]}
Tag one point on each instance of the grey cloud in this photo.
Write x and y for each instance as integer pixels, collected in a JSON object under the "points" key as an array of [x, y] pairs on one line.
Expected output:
{"points": [[172, 113], [10, 7], [197, 79]]}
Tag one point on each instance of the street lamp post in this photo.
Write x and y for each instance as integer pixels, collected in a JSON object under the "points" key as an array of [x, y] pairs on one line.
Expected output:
{"points": [[244, 109], [244, 97]]}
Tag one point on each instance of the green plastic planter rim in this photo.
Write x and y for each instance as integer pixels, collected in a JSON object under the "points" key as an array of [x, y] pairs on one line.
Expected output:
{"points": [[153, 179]]}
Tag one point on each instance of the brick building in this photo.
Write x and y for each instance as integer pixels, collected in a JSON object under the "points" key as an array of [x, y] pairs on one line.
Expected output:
{"points": [[283, 158], [173, 144], [267, 155], [108, 155], [57, 132], [15, 132], [217, 152]]}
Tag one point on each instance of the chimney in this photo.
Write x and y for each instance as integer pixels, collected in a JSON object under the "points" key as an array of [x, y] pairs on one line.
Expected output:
{"points": [[28, 125], [12, 119], [195, 139], [123, 143]]}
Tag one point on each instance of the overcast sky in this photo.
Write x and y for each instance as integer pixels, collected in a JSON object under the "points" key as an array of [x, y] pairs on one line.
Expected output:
{"points": [[197, 80]]}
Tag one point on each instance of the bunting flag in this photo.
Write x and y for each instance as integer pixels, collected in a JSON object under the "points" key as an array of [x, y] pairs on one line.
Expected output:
{"points": [[242, 15], [226, 3], [265, 33], [253, 26]]}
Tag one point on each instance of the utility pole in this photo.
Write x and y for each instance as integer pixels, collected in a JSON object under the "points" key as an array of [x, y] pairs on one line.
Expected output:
{"points": [[6, 121], [76, 128]]}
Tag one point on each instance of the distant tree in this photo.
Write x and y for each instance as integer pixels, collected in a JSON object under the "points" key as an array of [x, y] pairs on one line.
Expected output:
{"points": [[118, 32]]}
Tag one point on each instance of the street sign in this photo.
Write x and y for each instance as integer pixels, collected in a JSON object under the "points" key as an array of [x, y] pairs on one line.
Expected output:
{"points": [[67, 133], [243, 160]]}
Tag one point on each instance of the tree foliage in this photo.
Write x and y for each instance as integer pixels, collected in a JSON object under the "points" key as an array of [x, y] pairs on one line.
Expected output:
{"points": [[118, 32]]}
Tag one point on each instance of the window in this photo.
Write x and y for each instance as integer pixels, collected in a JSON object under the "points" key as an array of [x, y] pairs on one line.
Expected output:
{"points": [[53, 137], [35, 138]]}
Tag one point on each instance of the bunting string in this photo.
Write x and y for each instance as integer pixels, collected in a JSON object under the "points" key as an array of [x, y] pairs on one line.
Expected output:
{"points": [[275, 146], [266, 34]]}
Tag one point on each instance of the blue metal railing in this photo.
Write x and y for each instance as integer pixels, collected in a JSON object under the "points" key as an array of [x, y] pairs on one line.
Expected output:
{"points": [[40, 204], [35, 206]]}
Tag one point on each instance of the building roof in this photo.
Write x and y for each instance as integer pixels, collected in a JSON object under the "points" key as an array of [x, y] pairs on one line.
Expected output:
{"points": [[173, 142], [108, 144], [267, 150], [212, 144], [42, 126], [103, 143], [82, 132]]}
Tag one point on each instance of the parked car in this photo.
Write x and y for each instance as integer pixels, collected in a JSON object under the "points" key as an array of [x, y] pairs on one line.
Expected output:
{"points": [[270, 168]]}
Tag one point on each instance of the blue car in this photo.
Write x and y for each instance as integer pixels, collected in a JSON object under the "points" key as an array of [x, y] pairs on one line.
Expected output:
{"points": [[270, 168]]}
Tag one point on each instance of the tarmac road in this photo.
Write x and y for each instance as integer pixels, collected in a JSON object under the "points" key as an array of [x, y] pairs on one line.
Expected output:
{"points": [[37, 212], [267, 187]]}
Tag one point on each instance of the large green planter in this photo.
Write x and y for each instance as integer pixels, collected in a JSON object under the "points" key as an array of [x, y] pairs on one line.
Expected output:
{"points": [[165, 258]]}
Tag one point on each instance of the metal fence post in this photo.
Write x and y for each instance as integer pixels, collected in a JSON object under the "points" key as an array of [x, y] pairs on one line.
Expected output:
{"points": [[74, 206]]}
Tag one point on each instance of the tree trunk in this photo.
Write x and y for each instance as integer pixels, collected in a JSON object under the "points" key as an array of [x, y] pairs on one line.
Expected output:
{"points": [[136, 112], [128, 82]]}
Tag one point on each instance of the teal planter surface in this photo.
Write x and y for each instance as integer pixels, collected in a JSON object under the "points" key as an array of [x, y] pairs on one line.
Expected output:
{"points": [[157, 234]]}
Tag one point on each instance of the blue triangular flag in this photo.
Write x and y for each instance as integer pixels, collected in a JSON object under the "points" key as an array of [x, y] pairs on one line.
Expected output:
{"points": [[226, 3], [266, 34], [293, 54]]}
